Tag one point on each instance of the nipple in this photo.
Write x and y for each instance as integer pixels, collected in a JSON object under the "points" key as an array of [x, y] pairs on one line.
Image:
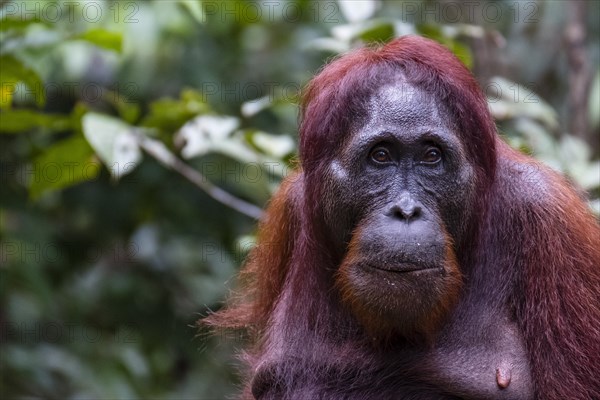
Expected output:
{"points": [[503, 376]]}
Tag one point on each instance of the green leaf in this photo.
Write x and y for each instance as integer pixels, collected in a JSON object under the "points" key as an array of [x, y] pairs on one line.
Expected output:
{"points": [[378, 31], [445, 36], [109, 40], [130, 112], [114, 142], [169, 115], [18, 121], [7, 24], [461, 51], [63, 164], [195, 9], [13, 71], [127, 109]]}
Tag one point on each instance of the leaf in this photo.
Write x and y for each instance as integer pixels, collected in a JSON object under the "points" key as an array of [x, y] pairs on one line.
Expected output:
{"points": [[538, 138], [446, 35], [109, 40], [18, 121], [453, 31], [594, 102], [573, 148], [126, 154], [13, 71], [277, 146], [101, 132], [328, 44], [357, 10], [574, 154], [114, 142], [135, 362], [203, 133], [402, 28], [370, 31], [595, 206], [195, 9], [64, 164], [589, 178], [128, 110], [253, 107], [377, 31], [508, 99], [461, 51], [347, 32], [170, 115], [7, 24]]}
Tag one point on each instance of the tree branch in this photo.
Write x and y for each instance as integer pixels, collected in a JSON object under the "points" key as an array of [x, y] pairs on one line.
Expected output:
{"points": [[161, 153]]}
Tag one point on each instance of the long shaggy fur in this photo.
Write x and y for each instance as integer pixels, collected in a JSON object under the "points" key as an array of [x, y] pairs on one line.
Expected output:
{"points": [[532, 244]]}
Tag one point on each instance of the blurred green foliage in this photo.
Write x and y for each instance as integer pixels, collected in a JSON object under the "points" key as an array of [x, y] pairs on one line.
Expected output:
{"points": [[108, 253]]}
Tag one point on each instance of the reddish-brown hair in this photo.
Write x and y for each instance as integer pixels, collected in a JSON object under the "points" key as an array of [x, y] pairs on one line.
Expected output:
{"points": [[535, 247]]}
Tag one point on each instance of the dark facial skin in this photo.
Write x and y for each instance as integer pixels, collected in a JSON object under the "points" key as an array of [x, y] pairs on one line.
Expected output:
{"points": [[398, 193], [405, 184]]}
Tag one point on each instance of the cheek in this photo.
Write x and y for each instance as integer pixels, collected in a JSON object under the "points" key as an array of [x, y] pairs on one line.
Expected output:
{"points": [[460, 200], [337, 173], [348, 197], [339, 211], [352, 189], [335, 186], [452, 196]]}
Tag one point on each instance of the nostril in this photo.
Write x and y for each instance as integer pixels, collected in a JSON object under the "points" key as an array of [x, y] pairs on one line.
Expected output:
{"points": [[406, 208], [407, 212]]}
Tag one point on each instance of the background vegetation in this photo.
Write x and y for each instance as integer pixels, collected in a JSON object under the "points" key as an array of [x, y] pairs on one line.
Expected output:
{"points": [[140, 140]]}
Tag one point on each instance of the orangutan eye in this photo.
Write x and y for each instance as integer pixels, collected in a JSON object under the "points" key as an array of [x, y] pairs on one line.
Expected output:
{"points": [[433, 155], [380, 155]]}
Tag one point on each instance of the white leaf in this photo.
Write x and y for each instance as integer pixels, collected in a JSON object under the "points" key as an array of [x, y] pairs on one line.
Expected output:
{"points": [[328, 44], [274, 145], [127, 154], [347, 32], [589, 176], [402, 28], [253, 107], [113, 142], [538, 138], [201, 134], [508, 99], [595, 206], [357, 10]]}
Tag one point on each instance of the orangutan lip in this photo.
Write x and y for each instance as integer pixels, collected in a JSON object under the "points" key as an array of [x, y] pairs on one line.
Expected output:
{"points": [[404, 267]]}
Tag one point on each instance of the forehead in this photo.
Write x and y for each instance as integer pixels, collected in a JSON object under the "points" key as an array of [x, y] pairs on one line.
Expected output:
{"points": [[402, 104], [401, 112]]}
